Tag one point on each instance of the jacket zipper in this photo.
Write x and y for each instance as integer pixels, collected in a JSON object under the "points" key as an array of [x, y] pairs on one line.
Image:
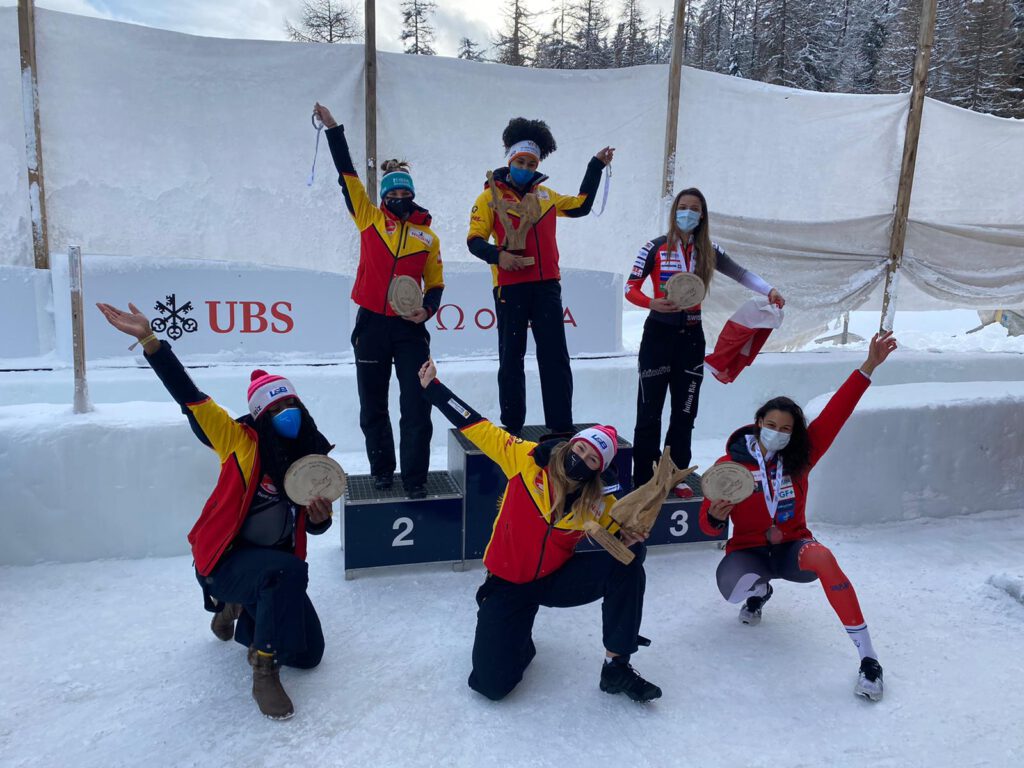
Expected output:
{"points": [[543, 546], [540, 260], [394, 264]]}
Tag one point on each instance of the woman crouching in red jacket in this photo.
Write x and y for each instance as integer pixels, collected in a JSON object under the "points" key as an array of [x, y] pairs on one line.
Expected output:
{"points": [[770, 539]]}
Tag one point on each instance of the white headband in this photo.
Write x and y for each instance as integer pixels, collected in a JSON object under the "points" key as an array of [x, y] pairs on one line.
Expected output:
{"points": [[523, 148]]}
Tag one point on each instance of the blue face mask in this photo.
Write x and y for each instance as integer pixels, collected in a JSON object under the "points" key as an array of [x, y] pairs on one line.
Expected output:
{"points": [[687, 220], [287, 422], [520, 176]]}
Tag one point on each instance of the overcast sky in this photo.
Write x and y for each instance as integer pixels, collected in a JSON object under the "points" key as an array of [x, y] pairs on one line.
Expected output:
{"points": [[264, 19]]}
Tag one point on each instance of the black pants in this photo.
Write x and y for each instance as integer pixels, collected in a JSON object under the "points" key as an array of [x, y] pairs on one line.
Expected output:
{"points": [[670, 359], [538, 305], [278, 616], [378, 341], [503, 646], [742, 573]]}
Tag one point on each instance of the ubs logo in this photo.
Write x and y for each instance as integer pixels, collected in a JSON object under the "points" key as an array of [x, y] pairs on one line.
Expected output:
{"points": [[173, 318]]}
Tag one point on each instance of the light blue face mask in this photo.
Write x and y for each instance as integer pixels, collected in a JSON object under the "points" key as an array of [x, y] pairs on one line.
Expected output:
{"points": [[287, 422], [774, 441], [520, 176], [687, 220]]}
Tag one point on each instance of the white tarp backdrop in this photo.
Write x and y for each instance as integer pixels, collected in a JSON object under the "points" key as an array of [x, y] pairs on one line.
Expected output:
{"points": [[178, 146]]}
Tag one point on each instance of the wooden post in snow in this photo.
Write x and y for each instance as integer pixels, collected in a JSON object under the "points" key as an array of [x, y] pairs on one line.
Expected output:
{"points": [[370, 84], [898, 236], [675, 70], [33, 137], [82, 404]]}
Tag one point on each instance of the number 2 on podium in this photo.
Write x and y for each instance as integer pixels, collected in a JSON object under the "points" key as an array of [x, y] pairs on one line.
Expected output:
{"points": [[404, 527]]}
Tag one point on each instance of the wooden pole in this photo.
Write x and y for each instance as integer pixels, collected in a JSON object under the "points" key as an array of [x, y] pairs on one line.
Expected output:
{"points": [[898, 236], [82, 404], [675, 71], [33, 136], [370, 69]]}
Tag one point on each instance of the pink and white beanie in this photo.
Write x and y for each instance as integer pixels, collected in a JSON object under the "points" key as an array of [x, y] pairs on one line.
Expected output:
{"points": [[603, 439], [266, 389]]}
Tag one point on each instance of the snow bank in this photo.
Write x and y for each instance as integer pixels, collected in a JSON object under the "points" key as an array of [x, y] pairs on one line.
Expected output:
{"points": [[1010, 584], [923, 450]]}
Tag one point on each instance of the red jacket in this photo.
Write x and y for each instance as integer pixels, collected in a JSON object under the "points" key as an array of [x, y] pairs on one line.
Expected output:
{"points": [[750, 518]]}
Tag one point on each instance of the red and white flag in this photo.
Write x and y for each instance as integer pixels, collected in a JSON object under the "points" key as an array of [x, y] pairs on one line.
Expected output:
{"points": [[742, 338]]}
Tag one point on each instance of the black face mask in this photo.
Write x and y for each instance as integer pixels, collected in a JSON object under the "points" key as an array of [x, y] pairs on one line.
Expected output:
{"points": [[576, 468], [402, 207]]}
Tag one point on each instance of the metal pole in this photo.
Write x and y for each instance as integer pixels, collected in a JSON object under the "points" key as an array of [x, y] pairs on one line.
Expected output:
{"points": [[898, 236], [33, 136], [675, 70], [370, 69], [82, 404]]}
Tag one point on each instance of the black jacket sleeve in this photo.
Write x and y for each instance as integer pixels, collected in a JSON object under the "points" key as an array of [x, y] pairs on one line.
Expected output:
{"points": [[591, 180], [432, 300], [455, 410], [179, 384], [315, 530], [484, 250]]}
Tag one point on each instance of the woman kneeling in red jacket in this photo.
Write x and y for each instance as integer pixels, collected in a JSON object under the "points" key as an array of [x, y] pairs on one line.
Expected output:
{"points": [[770, 538]]}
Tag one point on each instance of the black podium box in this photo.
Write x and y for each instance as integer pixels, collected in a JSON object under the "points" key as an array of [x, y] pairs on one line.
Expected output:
{"points": [[482, 483], [387, 528]]}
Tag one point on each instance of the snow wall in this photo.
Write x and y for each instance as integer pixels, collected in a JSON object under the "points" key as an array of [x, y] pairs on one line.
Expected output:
{"points": [[166, 144], [129, 479]]}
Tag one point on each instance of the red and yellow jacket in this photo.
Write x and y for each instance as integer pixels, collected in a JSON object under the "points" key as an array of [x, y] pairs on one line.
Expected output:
{"points": [[750, 518], [526, 543], [388, 246], [540, 243], [237, 448]]}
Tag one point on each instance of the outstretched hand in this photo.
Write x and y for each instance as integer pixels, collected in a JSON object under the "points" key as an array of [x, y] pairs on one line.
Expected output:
{"points": [[323, 114], [134, 323], [428, 372], [879, 348]]}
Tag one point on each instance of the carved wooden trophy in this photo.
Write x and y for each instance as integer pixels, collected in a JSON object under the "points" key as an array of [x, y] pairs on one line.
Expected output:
{"points": [[528, 212]]}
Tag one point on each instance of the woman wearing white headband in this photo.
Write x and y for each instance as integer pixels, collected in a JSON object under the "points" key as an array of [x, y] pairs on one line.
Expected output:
{"points": [[395, 240], [554, 488], [528, 293]]}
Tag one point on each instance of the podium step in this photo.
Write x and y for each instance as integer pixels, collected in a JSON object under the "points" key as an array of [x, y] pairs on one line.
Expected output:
{"points": [[360, 489]]}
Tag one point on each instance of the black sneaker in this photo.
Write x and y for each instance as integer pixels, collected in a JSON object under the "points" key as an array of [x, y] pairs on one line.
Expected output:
{"points": [[416, 491], [383, 482], [869, 681], [750, 613], [620, 677]]}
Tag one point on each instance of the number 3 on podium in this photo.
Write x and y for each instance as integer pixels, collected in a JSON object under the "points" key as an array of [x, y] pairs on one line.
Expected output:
{"points": [[680, 524]]}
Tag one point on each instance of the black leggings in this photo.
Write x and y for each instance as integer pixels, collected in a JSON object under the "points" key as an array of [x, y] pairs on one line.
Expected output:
{"points": [[745, 572], [503, 646]]}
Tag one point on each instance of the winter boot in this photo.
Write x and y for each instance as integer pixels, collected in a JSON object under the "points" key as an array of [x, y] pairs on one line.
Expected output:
{"points": [[383, 482], [750, 613], [618, 676], [869, 681], [223, 623], [266, 687]]}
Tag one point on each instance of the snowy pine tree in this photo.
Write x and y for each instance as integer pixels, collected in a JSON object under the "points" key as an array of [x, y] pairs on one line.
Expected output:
{"points": [[417, 30], [515, 44], [326, 21], [555, 50], [589, 27], [469, 50], [634, 45]]}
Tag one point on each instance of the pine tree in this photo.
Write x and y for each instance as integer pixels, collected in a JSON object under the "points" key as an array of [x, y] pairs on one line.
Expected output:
{"points": [[661, 39], [634, 46], [416, 26], [589, 26], [469, 50], [555, 50], [326, 21], [983, 71], [515, 44]]}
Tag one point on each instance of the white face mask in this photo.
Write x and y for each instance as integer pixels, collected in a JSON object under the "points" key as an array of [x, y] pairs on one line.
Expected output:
{"points": [[774, 441]]}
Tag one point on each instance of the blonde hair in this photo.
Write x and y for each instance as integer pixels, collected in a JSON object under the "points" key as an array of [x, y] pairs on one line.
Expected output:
{"points": [[591, 492], [390, 166], [701, 236]]}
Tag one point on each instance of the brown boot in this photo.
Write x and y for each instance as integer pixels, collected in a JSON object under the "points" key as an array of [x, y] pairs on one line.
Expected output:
{"points": [[223, 623], [266, 687]]}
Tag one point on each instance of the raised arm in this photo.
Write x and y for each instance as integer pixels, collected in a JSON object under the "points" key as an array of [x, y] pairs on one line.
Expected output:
{"points": [[510, 453], [211, 423], [725, 264], [363, 211], [579, 205], [823, 431]]}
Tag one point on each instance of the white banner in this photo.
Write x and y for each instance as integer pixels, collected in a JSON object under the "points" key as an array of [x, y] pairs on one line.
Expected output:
{"points": [[26, 326]]}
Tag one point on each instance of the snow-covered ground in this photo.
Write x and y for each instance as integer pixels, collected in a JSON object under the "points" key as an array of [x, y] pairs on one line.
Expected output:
{"points": [[112, 663]]}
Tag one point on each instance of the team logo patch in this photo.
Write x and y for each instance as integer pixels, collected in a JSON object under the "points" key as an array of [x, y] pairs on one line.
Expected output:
{"points": [[423, 237], [277, 391], [267, 485], [538, 482], [390, 226], [542, 194]]}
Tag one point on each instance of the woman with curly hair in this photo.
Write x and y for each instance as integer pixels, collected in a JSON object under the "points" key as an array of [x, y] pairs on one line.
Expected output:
{"points": [[527, 291]]}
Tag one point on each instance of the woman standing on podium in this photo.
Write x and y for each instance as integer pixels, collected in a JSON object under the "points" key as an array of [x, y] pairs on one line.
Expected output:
{"points": [[671, 357], [395, 239], [554, 488], [527, 288], [770, 538]]}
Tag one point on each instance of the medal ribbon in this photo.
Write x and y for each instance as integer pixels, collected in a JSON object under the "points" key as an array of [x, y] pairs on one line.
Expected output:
{"points": [[771, 495]]}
